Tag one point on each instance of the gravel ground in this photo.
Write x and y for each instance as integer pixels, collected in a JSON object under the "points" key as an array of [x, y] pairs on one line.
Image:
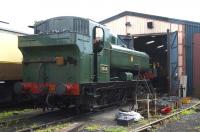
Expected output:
{"points": [[106, 119], [184, 123], [187, 123]]}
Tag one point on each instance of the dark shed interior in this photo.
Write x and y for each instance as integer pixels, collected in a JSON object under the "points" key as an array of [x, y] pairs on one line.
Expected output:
{"points": [[156, 47]]}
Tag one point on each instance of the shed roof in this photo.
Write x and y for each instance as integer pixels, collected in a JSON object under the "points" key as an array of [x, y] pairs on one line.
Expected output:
{"points": [[12, 31], [6, 27], [129, 13]]}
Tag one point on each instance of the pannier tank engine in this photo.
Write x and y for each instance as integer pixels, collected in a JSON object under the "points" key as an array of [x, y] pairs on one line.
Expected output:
{"points": [[76, 61]]}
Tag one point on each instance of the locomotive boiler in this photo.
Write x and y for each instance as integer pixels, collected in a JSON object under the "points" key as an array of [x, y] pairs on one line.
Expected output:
{"points": [[76, 61]]}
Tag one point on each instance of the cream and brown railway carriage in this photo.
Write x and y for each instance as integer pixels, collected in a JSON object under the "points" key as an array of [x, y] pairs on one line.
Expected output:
{"points": [[10, 62]]}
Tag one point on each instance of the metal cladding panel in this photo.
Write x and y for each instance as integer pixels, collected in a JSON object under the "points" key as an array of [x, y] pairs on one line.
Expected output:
{"points": [[196, 64], [190, 30], [173, 62], [117, 26], [81, 26], [138, 25]]}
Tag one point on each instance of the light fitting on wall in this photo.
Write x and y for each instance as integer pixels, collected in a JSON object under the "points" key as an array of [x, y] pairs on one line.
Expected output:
{"points": [[150, 42], [128, 24]]}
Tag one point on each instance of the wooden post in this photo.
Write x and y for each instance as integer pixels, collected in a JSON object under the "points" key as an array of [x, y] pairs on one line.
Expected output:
{"points": [[155, 104], [148, 106], [136, 104]]}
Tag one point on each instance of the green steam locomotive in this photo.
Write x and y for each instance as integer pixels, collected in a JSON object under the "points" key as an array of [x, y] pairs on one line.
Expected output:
{"points": [[76, 61]]}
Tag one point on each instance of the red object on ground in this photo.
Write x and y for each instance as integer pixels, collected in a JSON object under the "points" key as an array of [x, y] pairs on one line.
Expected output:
{"points": [[166, 110]]}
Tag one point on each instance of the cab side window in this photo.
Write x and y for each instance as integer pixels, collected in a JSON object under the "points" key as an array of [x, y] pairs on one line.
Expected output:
{"points": [[98, 39]]}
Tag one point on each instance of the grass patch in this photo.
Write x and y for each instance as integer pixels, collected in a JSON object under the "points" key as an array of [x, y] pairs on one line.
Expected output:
{"points": [[188, 112], [93, 127], [53, 128], [176, 118], [4, 115], [116, 129], [7, 114], [34, 125], [198, 127], [143, 121]]}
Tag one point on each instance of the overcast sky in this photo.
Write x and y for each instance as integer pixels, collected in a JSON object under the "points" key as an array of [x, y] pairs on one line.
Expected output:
{"points": [[22, 13]]}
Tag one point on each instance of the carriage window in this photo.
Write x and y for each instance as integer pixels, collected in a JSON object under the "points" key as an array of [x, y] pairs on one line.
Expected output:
{"points": [[98, 39]]}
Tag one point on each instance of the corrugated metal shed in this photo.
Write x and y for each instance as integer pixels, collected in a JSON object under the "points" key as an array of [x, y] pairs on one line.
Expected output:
{"points": [[196, 64], [166, 19], [190, 28]]}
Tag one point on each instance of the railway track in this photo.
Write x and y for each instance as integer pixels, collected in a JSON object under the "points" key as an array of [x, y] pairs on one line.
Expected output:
{"points": [[149, 125], [74, 116], [10, 121], [45, 125], [22, 117], [65, 120]]}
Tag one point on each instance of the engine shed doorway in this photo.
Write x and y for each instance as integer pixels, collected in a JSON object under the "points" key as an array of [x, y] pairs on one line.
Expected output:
{"points": [[155, 45], [162, 49]]}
